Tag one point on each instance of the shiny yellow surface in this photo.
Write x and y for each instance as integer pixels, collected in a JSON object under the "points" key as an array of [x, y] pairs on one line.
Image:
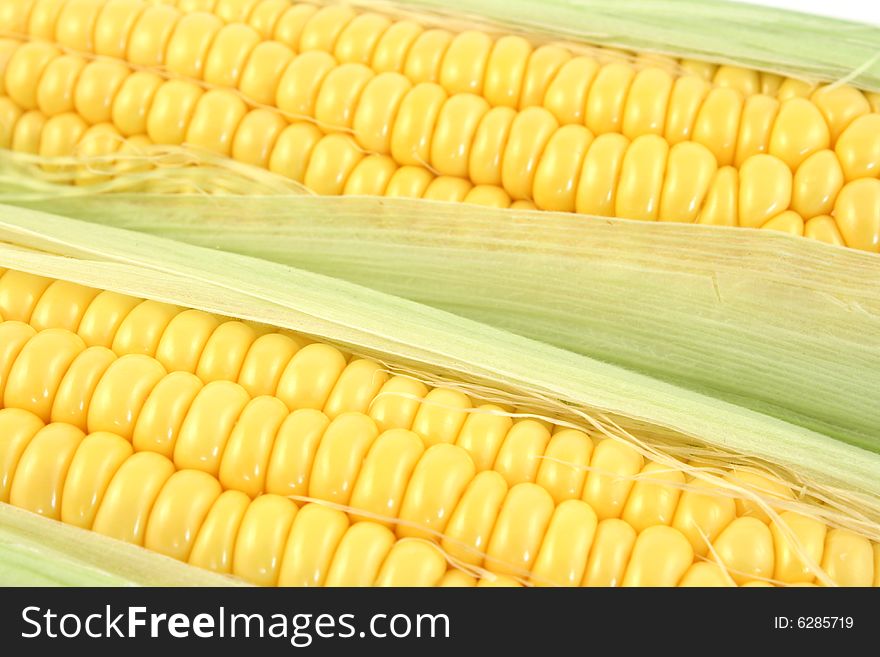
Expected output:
{"points": [[765, 187], [412, 562], [294, 451], [432, 493], [162, 414], [607, 98], [848, 559], [505, 70], [685, 101], [359, 555], [310, 377], [690, 169], [701, 516], [529, 134], [745, 549], [817, 182], [787, 222], [660, 557], [314, 537], [17, 429], [488, 145], [39, 477], [129, 498], [339, 95], [141, 328], [471, 524], [565, 548], [77, 388], [857, 213], [289, 25], [339, 456], [652, 501], [763, 485], [28, 132], [824, 229], [385, 475], [301, 82], [609, 479], [456, 125], [179, 511], [641, 179], [262, 536], [394, 45], [840, 105], [214, 545], [370, 176], [717, 123], [207, 426], [464, 63], [58, 84], [396, 404], [800, 544], [563, 467], [798, 131], [646, 103], [96, 460], [122, 392], [567, 92], [292, 151], [858, 148], [37, 372], [134, 101], [377, 110], [264, 363], [150, 35], [519, 530], [441, 416], [704, 573], [246, 454], [756, 124], [556, 179]]}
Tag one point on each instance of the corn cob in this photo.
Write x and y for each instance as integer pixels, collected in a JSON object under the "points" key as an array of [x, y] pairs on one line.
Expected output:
{"points": [[248, 414], [616, 138]]}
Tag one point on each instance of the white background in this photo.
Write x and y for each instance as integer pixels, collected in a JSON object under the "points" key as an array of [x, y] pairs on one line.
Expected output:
{"points": [[865, 11]]}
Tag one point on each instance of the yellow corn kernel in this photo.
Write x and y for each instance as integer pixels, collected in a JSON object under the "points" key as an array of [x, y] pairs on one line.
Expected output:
{"points": [[745, 550], [848, 559], [611, 477], [765, 184], [807, 537], [857, 214], [660, 557]]}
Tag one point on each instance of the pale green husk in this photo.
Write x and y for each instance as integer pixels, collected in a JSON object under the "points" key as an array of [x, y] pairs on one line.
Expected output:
{"points": [[441, 346]]}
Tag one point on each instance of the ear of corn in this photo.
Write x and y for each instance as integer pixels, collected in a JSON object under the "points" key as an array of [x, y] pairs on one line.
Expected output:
{"points": [[181, 500], [600, 133]]}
